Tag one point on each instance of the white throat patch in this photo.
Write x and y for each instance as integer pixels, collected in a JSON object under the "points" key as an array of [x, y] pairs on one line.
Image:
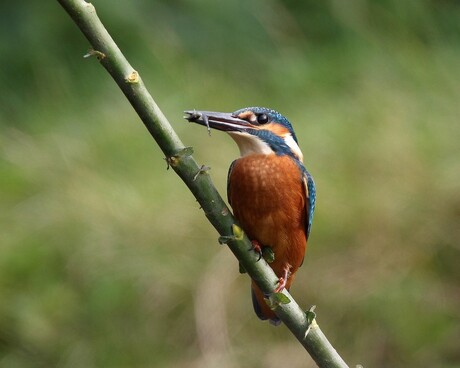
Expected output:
{"points": [[249, 144], [294, 147]]}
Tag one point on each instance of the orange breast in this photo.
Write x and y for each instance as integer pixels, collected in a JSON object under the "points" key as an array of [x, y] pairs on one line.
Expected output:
{"points": [[268, 200]]}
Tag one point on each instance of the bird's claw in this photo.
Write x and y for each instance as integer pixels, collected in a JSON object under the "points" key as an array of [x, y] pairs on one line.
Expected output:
{"points": [[281, 285], [256, 247], [282, 281]]}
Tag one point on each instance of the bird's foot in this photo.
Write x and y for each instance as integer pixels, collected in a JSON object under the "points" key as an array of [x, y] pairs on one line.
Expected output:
{"points": [[256, 247], [283, 279]]}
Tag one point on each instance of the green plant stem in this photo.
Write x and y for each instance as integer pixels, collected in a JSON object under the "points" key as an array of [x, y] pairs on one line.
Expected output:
{"points": [[196, 178]]}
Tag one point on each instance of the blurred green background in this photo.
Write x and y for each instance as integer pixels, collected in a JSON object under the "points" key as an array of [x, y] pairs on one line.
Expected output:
{"points": [[106, 259]]}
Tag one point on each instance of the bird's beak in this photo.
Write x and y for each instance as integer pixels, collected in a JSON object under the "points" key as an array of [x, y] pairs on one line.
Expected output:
{"points": [[217, 120]]}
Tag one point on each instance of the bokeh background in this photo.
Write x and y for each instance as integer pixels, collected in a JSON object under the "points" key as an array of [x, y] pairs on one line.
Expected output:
{"points": [[106, 259]]}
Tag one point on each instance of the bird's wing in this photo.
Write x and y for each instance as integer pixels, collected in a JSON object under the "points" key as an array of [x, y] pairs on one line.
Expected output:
{"points": [[310, 191], [228, 181]]}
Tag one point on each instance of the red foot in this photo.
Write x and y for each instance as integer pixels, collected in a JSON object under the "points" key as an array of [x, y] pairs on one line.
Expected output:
{"points": [[257, 248], [283, 280]]}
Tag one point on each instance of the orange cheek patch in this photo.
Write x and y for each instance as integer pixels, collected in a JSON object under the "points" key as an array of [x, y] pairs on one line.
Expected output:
{"points": [[277, 129], [247, 115]]}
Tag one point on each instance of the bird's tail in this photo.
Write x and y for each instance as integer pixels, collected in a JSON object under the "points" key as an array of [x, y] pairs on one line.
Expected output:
{"points": [[261, 308]]}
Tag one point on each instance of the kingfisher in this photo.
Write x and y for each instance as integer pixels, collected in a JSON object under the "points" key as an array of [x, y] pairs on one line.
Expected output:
{"points": [[269, 189]]}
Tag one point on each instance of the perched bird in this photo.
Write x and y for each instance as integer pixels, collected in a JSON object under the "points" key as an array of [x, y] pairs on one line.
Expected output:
{"points": [[270, 191]]}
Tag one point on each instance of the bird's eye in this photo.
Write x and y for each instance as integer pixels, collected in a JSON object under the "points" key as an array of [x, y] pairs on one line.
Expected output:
{"points": [[262, 119]]}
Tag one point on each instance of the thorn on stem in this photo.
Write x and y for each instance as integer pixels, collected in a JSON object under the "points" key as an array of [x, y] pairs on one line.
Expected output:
{"points": [[173, 160], [203, 169], [91, 52], [170, 161], [133, 77], [224, 239], [310, 315], [238, 232]]}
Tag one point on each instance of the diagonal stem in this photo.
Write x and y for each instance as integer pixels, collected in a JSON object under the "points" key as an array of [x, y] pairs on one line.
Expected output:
{"points": [[198, 181]]}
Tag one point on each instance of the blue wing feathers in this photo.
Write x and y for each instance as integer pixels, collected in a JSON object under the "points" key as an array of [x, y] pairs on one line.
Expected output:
{"points": [[312, 199]]}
